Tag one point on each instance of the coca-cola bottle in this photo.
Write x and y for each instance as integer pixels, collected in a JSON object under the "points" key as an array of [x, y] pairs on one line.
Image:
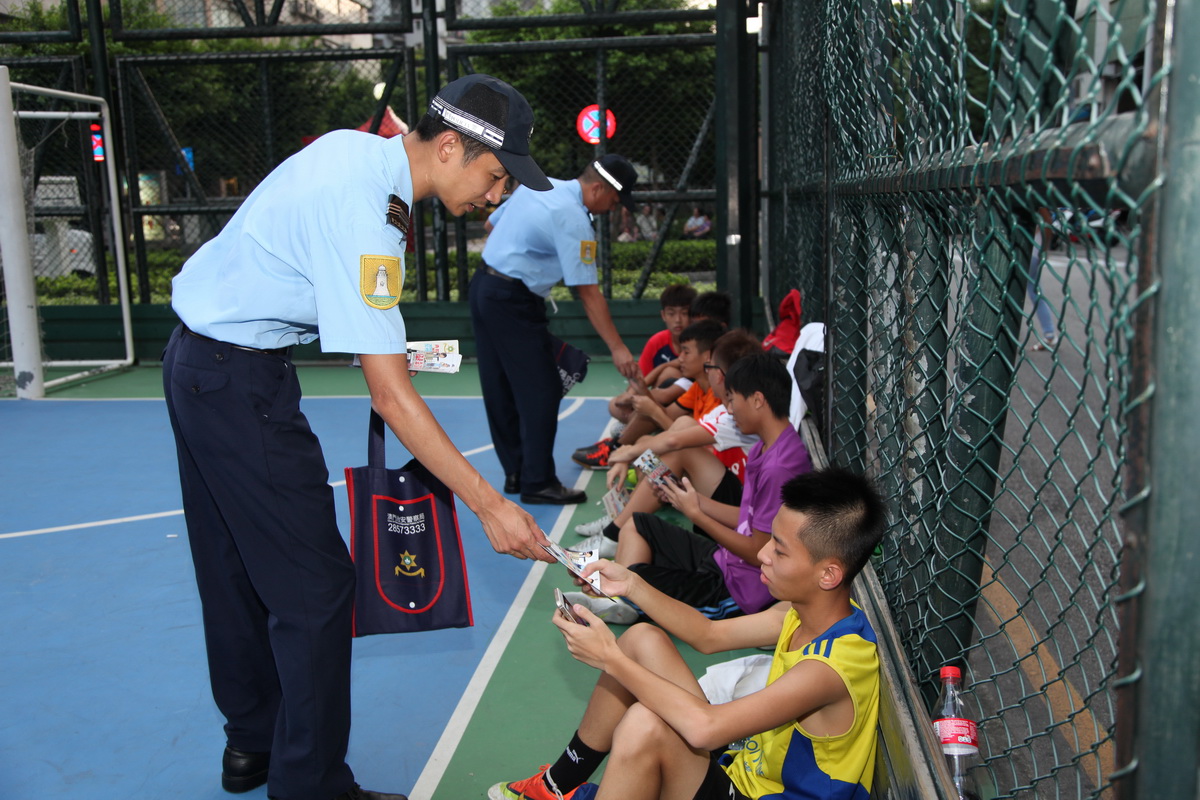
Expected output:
{"points": [[957, 733]]}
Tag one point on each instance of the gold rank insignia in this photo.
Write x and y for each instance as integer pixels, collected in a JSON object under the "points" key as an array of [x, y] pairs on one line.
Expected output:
{"points": [[587, 252], [380, 279], [397, 213]]}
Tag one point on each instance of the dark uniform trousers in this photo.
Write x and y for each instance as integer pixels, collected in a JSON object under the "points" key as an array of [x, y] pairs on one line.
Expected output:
{"points": [[276, 581], [521, 384]]}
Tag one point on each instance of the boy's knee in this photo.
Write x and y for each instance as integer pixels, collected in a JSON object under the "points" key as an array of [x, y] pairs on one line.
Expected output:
{"points": [[643, 639], [639, 733]]}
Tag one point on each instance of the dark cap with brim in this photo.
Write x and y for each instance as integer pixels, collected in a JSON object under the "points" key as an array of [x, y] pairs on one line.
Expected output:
{"points": [[618, 173], [489, 110]]}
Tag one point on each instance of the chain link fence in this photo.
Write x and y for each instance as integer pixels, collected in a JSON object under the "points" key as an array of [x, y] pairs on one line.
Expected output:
{"points": [[963, 197]]}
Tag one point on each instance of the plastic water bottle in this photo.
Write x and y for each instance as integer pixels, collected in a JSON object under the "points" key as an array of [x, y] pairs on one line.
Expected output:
{"points": [[957, 733]]}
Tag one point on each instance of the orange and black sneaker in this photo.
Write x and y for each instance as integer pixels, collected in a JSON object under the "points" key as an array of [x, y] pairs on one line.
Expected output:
{"points": [[595, 456], [535, 788]]}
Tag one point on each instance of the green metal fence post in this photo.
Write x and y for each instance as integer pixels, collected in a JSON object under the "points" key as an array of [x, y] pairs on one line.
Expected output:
{"points": [[1166, 728], [846, 341], [433, 82], [735, 226]]}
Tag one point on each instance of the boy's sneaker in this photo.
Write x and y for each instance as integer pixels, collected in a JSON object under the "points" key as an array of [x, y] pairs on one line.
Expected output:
{"points": [[614, 612], [534, 788], [593, 527], [596, 455], [604, 546]]}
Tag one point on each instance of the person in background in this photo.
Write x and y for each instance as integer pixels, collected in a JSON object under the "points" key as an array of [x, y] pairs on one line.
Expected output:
{"points": [[697, 225], [647, 223], [538, 239]]}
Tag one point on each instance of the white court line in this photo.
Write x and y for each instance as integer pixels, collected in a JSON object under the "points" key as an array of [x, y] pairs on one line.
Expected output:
{"points": [[96, 524], [447, 745], [576, 404]]}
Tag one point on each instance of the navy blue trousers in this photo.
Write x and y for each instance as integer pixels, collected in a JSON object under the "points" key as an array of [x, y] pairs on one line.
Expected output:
{"points": [[521, 385], [276, 581]]}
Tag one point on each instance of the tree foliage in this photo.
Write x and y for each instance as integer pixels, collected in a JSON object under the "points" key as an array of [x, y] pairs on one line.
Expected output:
{"points": [[659, 96], [240, 118]]}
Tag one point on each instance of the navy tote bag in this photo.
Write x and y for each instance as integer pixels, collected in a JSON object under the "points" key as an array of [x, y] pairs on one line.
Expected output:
{"points": [[408, 556]]}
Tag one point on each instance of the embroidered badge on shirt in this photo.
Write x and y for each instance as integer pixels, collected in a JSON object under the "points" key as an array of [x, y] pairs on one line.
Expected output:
{"points": [[380, 279], [587, 252], [397, 213]]}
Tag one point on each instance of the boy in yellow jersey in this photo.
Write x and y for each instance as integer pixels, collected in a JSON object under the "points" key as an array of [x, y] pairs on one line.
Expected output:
{"points": [[812, 728]]}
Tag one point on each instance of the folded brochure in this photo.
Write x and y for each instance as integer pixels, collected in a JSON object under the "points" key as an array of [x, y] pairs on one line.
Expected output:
{"points": [[575, 562]]}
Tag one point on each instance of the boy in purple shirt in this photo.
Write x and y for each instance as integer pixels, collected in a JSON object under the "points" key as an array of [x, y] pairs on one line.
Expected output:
{"points": [[708, 573]]}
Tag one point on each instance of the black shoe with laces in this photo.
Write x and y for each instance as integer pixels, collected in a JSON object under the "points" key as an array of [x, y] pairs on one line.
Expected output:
{"points": [[596, 456], [554, 495], [242, 771]]}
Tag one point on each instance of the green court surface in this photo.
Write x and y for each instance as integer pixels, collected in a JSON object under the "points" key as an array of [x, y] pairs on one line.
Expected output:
{"points": [[528, 693], [532, 704], [323, 380]]}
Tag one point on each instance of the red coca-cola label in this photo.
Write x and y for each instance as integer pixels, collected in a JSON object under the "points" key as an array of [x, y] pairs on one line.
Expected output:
{"points": [[956, 732]]}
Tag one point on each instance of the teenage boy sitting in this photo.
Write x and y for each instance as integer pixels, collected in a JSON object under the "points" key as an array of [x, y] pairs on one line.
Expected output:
{"points": [[711, 451], [709, 306], [695, 347], [706, 571], [813, 726], [658, 363]]}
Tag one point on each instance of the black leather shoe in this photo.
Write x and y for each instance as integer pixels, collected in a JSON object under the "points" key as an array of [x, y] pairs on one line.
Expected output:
{"points": [[242, 771], [359, 793], [512, 483], [554, 495]]}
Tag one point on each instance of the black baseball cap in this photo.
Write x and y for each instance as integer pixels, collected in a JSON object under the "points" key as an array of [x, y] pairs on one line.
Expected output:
{"points": [[619, 174], [489, 110]]}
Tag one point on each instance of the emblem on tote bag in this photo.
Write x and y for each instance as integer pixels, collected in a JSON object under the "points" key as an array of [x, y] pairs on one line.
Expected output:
{"points": [[411, 579]]}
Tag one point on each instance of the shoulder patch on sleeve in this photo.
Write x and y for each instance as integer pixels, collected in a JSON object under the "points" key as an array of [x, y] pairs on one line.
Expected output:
{"points": [[587, 252], [397, 214], [380, 279]]}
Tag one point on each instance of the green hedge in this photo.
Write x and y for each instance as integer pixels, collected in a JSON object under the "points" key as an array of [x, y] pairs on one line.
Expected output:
{"points": [[676, 257]]}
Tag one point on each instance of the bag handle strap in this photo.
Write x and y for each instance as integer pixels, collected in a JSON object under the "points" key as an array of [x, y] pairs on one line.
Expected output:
{"points": [[375, 442]]}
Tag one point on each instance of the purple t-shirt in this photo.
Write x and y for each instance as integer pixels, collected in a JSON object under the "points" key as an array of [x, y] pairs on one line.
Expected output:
{"points": [[766, 473]]}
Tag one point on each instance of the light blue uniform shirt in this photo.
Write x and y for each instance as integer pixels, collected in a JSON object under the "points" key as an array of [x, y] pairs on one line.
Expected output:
{"points": [[287, 267], [543, 238]]}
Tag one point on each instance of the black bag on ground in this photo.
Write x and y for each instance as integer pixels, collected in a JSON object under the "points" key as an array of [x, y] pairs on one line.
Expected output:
{"points": [[408, 558]]}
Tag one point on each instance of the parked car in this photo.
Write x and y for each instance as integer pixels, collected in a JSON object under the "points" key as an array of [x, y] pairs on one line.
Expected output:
{"points": [[56, 249]]}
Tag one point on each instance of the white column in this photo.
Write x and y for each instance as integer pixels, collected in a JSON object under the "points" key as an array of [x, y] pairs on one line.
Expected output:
{"points": [[14, 247]]}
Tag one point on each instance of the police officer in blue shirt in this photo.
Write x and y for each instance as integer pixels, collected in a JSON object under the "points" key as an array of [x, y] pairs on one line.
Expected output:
{"points": [[314, 251], [538, 239]]}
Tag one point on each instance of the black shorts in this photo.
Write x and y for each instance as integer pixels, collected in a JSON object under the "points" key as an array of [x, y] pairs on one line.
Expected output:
{"points": [[681, 563], [717, 785], [729, 492]]}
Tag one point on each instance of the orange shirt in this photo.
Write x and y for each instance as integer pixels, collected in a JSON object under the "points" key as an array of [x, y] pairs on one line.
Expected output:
{"points": [[698, 401]]}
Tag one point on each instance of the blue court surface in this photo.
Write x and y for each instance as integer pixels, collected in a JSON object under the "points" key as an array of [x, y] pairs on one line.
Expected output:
{"points": [[103, 684]]}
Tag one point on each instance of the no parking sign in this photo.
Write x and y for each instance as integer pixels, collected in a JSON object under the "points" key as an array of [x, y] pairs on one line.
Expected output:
{"points": [[587, 124]]}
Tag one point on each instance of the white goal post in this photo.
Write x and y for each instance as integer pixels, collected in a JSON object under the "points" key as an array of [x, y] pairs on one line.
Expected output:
{"points": [[19, 286]]}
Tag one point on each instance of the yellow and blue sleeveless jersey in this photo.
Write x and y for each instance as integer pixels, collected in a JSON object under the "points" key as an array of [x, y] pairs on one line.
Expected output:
{"points": [[787, 763]]}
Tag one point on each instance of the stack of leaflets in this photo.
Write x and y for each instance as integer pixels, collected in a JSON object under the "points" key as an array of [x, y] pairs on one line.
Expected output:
{"points": [[442, 355], [654, 469]]}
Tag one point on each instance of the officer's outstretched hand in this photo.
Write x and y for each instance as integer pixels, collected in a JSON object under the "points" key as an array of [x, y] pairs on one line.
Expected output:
{"points": [[625, 363], [512, 531]]}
